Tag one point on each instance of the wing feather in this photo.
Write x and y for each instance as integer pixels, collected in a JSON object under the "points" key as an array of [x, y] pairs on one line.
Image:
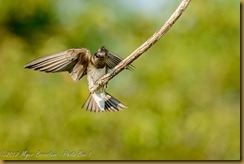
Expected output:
{"points": [[114, 60], [75, 61]]}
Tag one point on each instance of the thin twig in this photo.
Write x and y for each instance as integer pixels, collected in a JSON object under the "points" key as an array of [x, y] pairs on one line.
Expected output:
{"points": [[144, 47]]}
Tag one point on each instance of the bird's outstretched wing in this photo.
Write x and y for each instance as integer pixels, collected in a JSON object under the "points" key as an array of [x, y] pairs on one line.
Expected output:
{"points": [[114, 60], [75, 61]]}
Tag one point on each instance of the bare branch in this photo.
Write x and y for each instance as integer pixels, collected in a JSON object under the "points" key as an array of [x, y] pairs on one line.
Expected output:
{"points": [[144, 47]]}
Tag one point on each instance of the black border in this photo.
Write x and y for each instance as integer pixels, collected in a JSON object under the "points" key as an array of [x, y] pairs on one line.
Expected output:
{"points": [[164, 161]]}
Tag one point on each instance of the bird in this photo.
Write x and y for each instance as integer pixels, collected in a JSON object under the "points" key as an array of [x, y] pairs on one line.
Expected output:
{"points": [[79, 62]]}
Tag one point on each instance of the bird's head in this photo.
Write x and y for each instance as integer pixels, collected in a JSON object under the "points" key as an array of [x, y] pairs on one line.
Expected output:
{"points": [[100, 57]]}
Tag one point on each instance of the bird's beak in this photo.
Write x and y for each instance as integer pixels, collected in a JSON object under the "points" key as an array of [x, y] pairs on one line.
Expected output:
{"points": [[102, 56]]}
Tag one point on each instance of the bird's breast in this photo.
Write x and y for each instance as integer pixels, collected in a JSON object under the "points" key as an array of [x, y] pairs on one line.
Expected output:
{"points": [[93, 74]]}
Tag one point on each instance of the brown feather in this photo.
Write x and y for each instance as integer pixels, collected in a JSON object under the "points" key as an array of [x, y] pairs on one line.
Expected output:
{"points": [[75, 61]]}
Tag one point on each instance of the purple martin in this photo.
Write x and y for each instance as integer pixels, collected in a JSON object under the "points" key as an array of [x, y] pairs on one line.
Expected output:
{"points": [[79, 62]]}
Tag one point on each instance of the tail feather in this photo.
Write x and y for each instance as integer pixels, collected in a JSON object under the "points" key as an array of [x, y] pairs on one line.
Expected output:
{"points": [[102, 102], [113, 104], [89, 104]]}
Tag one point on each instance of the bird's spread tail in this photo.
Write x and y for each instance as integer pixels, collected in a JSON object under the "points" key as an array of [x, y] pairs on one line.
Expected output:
{"points": [[102, 102]]}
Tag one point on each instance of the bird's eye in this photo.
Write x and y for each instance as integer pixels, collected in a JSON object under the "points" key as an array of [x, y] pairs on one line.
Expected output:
{"points": [[96, 55]]}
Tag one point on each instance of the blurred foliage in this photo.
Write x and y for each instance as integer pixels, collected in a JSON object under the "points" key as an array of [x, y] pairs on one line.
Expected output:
{"points": [[183, 97]]}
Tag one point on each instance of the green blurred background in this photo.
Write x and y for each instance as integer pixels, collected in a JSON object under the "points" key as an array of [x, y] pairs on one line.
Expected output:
{"points": [[183, 98]]}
